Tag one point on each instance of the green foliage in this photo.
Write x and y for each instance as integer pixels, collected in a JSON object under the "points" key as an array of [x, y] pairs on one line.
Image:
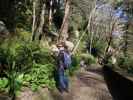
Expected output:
{"points": [[23, 34], [126, 63], [43, 56], [76, 20], [15, 58], [75, 61], [118, 3], [89, 59], [74, 66], [41, 76], [10, 84], [24, 14], [3, 83], [25, 61], [99, 46]]}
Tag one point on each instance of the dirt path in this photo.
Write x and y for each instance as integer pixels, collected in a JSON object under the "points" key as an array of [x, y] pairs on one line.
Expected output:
{"points": [[87, 85]]}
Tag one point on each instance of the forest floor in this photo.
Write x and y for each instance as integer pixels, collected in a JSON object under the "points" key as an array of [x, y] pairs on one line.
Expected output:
{"points": [[85, 85]]}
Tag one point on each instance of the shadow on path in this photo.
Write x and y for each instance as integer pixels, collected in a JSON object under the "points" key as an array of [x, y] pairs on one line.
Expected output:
{"points": [[94, 80], [120, 87]]}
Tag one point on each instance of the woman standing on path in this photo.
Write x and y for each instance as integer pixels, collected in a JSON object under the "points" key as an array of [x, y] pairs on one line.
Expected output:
{"points": [[63, 63]]}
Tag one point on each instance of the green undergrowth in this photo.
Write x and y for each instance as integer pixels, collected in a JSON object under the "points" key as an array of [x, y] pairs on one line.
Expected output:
{"points": [[25, 63], [88, 58]]}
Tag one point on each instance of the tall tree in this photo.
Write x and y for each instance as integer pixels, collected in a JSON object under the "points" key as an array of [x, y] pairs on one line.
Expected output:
{"points": [[34, 20], [40, 28], [65, 23], [50, 11]]}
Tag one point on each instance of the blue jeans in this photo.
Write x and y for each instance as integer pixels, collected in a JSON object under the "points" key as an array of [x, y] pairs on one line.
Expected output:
{"points": [[63, 80]]}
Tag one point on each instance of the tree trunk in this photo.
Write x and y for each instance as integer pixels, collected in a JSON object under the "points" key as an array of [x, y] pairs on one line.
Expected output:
{"points": [[34, 21], [64, 26], [90, 27], [40, 28], [125, 36], [50, 12], [108, 52], [109, 40]]}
